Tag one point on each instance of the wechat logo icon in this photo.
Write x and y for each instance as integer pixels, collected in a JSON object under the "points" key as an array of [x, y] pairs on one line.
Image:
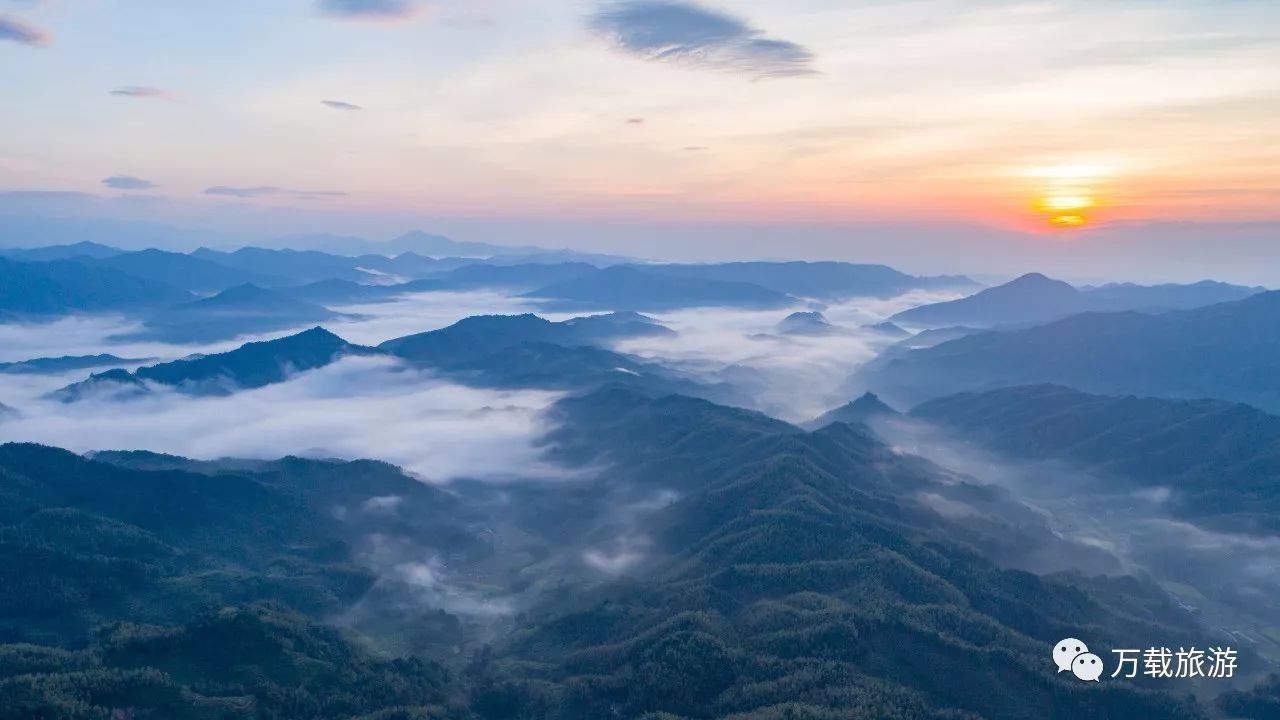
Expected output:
{"points": [[1073, 656]]}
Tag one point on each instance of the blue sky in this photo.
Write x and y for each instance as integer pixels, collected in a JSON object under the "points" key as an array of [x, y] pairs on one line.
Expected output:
{"points": [[591, 120]]}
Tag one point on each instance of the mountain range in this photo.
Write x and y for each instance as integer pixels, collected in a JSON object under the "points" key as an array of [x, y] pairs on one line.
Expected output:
{"points": [[61, 252], [480, 276], [240, 310], [645, 289], [563, 281], [41, 289], [497, 350], [42, 366], [1218, 459], [643, 543], [421, 243], [1226, 351], [1034, 298], [528, 351], [251, 366], [819, 280], [791, 573]]}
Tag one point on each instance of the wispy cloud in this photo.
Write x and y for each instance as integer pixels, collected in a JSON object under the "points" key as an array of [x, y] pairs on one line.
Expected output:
{"points": [[340, 105], [126, 182], [143, 92], [684, 33], [259, 191], [370, 9], [15, 30]]}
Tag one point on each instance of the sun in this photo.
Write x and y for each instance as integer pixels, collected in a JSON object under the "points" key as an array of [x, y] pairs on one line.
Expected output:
{"points": [[1066, 195], [1067, 210], [1068, 221]]}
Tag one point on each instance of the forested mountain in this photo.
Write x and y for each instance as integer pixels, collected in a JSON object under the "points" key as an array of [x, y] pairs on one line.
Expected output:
{"points": [[1218, 460], [95, 543], [792, 575], [1227, 351], [635, 550], [796, 582], [170, 565]]}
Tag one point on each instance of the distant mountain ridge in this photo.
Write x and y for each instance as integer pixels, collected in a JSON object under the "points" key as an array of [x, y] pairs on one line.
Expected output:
{"points": [[190, 272], [66, 286], [439, 246], [477, 276], [251, 366], [644, 289], [1034, 298], [85, 249], [240, 310], [36, 366], [498, 350], [1227, 351], [529, 351], [822, 280]]}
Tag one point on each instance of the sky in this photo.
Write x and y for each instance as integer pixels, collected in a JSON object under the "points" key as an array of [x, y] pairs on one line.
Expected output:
{"points": [[975, 134]]}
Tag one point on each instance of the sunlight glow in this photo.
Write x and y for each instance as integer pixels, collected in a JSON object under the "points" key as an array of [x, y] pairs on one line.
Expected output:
{"points": [[1065, 193], [1067, 202]]}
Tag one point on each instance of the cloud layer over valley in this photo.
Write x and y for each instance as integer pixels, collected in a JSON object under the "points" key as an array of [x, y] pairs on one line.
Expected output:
{"points": [[355, 408]]}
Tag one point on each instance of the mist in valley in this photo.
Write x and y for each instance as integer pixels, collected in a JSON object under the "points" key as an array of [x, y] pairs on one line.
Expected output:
{"points": [[528, 532], [1226, 581]]}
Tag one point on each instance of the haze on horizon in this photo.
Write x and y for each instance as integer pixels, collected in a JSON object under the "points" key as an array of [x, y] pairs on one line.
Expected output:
{"points": [[1110, 140]]}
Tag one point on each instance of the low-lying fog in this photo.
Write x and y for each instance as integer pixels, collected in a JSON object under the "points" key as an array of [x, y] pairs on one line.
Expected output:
{"points": [[371, 407], [359, 407], [791, 377], [1230, 581], [374, 408]]}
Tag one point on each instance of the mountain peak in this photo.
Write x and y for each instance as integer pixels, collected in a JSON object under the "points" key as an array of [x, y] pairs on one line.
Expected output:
{"points": [[314, 335], [805, 323], [1035, 280], [868, 405], [246, 291], [865, 408], [1029, 298], [249, 366]]}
